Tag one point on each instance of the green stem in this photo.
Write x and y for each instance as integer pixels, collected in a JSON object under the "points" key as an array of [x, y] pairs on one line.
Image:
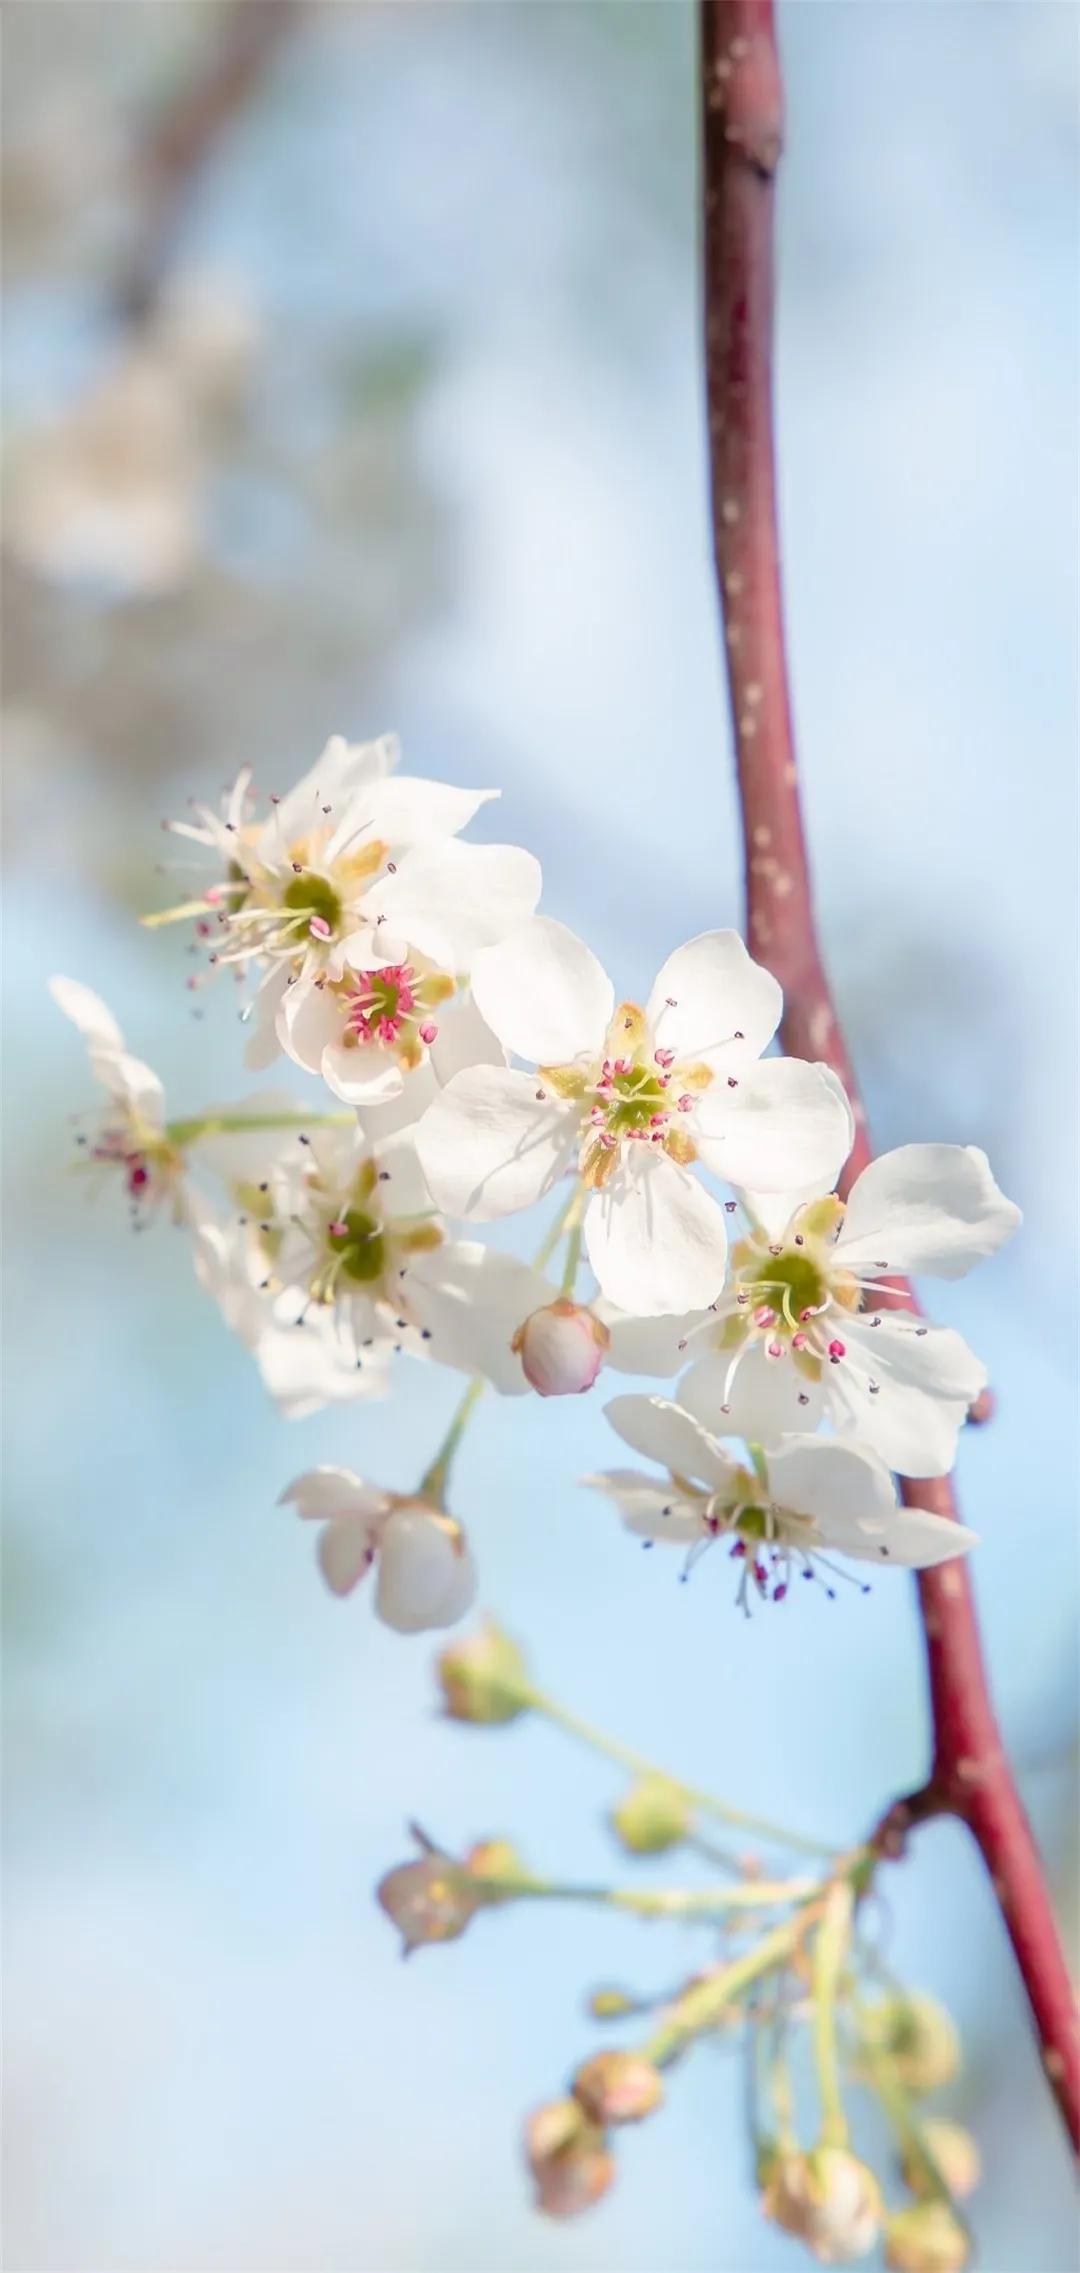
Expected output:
{"points": [[674, 1902], [566, 1216], [572, 1263], [705, 1802], [432, 1485], [229, 1124], [904, 2118], [700, 2007], [830, 1949]]}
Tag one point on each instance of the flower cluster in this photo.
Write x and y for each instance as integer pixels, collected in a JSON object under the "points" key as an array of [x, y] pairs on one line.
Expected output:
{"points": [[474, 1057]]}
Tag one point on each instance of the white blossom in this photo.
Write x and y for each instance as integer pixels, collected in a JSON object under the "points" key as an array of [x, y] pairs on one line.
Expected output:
{"points": [[425, 1576], [629, 1098], [803, 1292], [303, 1371], [780, 1508], [130, 1135], [358, 908]]}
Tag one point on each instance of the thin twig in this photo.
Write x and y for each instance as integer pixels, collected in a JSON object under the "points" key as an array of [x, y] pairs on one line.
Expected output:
{"points": [[970, 1776]]}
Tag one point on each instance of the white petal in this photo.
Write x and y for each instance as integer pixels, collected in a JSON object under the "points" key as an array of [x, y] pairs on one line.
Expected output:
{"points": [[405, 810], [656, 1240], [134, 1085], [761, 1403], [471, 1300], [926, 1207], [488, 1146], [707, 993], [426, 1573], [913, 1539], [346, 1551], [88, 1013], [464, 1039], [648, 1345], [309, 1367], [366, 1075], [544, 994], [650, 1510], [263, 1045], [310, 1019], [787, 1126], [449, 900], [830, 1482], [927, 1378], [331, 1495], [343, 771], [661, 1430], [403, 1190]]}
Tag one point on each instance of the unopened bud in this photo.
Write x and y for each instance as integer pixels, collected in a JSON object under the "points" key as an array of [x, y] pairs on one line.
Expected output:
{"points": [[927, 2238], [618, 2087], [828, 2199], [429, 1900], [955, 2154], [568, 2157], [611, 2004], [652, 1816], [495, 1858], [484, 1679], [426, 1576], [918, 2036], [561, 1348]]}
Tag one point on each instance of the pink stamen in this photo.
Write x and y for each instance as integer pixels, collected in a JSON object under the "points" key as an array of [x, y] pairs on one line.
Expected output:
{"points": [[799, 1341], [664, 1058], [319, 928], [429, 1032], [837, 1350], [764, 1316]]}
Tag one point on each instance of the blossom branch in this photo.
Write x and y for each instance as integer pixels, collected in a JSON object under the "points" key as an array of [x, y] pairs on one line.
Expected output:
{"points": [[970, 1777]]}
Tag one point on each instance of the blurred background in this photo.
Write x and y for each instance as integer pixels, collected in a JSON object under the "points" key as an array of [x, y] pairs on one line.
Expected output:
{"points": [[352, 381]]}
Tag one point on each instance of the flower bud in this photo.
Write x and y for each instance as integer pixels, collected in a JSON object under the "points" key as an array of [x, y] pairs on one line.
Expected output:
{"points": [[652, 1816], [561, 1348], [612, 2004], [927, 2238], [955, 2153], [426, 1575], [919, 2037], [618, 2087], [495, 1858], [429, 1900], [568, 2157], [828, 2199], [484, 1679]]}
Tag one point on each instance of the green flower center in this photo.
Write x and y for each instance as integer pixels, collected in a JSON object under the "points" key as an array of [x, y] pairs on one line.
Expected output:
{"points": [[790, 1283], [313, 895], [636, 1097], [361, 1246]]}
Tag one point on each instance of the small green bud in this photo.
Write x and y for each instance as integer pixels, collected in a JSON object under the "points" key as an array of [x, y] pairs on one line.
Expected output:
{"points": [[918, 2036], [484, 1679], [611, 2004], [927, 2238], [495, 1858], [652, 1816]]}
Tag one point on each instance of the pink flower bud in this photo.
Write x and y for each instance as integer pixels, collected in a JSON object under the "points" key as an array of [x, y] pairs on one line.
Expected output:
{"points": [[561, 1348]]}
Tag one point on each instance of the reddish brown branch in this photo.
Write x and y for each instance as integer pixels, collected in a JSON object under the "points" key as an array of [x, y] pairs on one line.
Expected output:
{"points": [[970, 1776], [189, 128]]}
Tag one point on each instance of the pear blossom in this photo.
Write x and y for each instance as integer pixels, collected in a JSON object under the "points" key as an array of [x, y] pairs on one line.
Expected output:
{"points": [[424, 1574], [358, 906], [628, 1097], [302, 1371], [803, 1291], [780, 1508], [131, 1134]]}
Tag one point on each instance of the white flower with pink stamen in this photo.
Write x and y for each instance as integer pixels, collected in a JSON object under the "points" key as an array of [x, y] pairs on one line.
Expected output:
{"points": [[129, 1136], [628, 1098], [805, 1297], [356, 886], [425, 1575], [783, 1507]]}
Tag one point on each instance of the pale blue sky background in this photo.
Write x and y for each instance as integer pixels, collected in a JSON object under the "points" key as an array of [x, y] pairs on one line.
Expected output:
{"points": [[215, 2060]]}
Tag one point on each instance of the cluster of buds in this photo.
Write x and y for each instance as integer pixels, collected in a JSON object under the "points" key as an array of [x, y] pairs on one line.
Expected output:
{"points": [[566, 2141]]}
